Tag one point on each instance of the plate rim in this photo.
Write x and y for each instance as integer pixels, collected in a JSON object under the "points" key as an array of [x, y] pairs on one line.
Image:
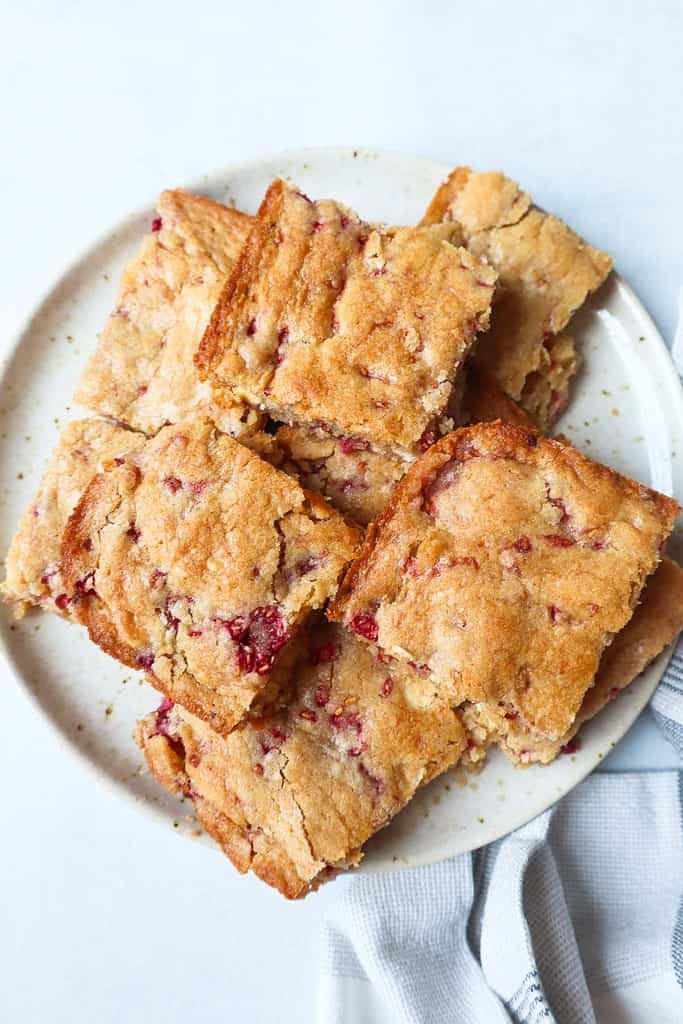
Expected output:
{"points": [[657, 348]]}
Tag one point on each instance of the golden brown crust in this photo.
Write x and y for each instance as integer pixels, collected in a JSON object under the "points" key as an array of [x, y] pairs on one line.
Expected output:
{"points": [[159, 567], [295, 794], [330, 320], [33, 561], [504, 563], [141, 372], [545, 273], [656, 622]]}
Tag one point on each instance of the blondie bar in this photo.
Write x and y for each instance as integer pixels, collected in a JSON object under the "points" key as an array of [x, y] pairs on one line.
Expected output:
{"points": [[545, 273], [295, 795], [33, 565], [656, 622], [198, 563], [142, 372], [503, 565], [327, 320]]}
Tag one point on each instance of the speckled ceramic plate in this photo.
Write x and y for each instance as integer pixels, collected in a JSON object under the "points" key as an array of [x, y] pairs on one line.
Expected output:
{"points": [[627, 410]]}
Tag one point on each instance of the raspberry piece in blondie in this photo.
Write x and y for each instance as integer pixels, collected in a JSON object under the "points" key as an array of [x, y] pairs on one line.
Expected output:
{"points": [[294, 795], [359, 481], [33, 562], [504, 564], [656, 622], [546, 272], [141, 372], [198, 563], [327, 320]]}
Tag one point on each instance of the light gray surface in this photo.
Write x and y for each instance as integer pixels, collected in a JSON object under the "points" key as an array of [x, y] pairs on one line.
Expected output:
{"points": [[101, 107]]}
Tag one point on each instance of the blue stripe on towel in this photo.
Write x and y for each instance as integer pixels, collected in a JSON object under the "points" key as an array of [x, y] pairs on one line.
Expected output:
{"points": [[677, 938]]}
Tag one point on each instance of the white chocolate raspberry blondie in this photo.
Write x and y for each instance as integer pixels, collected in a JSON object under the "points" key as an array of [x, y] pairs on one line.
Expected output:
{"points": [[141, 372], [198, 563], [503, 565], [327, 320], [359, 481], [295, 795], [33, 564], [546, 272], [656, 622]]}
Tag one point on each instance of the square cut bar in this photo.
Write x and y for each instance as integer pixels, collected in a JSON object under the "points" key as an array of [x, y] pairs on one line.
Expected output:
{"points": [[359, 481], [295, 795], [656, 622], [327, 320], [33, 563], [503, 565], [198, 563], [546, 271], [142, 372]]}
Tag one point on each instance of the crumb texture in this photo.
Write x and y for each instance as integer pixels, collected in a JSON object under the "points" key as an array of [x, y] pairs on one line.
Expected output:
{"points": [[353, 478]]}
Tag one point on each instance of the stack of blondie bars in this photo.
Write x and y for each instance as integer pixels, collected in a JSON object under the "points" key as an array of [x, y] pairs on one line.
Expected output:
{"points": [[318, 507]]}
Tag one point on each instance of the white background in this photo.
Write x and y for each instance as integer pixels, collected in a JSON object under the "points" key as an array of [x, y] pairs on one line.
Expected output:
{"points": [[105, 916]]}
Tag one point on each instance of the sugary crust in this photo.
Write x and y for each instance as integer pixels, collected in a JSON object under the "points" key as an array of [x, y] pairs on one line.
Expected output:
{"points": [[327, 319], [545, 270], [33, 569], [160, 568], [359, 481], [504, 563], [294, 796], [141, 372], [656, 622]]}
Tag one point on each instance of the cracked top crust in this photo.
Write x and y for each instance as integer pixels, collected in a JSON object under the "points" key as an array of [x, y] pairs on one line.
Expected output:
{"points": [[296, 794], [503, 565], [545, 270], [33, 564], [197, 563], [359, 481], [142, 372], [656, 622], [327, 319]]}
